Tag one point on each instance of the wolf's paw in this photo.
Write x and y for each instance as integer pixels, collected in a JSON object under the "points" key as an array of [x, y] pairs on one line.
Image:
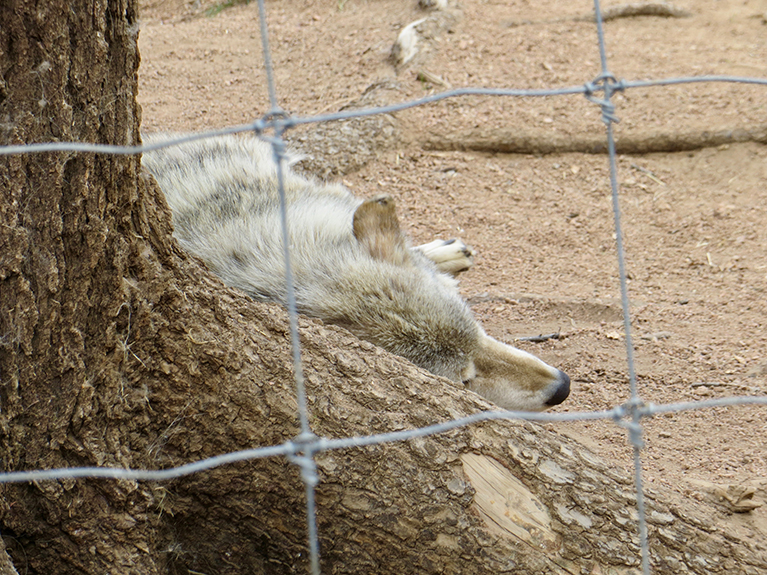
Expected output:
{"points": [[451, 256]]}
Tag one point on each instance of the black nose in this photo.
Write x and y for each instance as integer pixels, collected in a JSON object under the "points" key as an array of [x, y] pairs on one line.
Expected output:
{"points": [[562, 391]]}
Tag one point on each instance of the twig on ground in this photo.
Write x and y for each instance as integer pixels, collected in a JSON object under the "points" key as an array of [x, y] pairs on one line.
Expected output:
{"points": [[748, 388], [540, 338], [661, 9], [649, 174], [426, 76]]}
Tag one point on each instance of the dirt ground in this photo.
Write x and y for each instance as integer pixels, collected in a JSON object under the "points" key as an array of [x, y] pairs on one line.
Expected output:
{"points": [[693, 191]]}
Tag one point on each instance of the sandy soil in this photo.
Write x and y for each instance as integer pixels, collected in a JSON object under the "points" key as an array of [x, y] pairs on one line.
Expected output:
{"points": [[694, 206]]}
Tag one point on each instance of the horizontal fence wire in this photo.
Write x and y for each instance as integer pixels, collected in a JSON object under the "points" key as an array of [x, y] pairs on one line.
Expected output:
{"points": [[302, 449], [269, 122], [319, 444]]}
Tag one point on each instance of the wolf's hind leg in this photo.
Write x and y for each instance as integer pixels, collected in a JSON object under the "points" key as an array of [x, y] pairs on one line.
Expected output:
{"points": [[451, 256]]}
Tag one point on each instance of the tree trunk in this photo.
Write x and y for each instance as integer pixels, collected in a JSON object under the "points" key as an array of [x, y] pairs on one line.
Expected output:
{"points": [[117, 349]]}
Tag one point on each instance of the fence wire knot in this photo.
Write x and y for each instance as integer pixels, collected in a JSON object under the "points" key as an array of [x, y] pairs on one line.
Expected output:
{"points": [[607, 83], [277, 119], [279, 147], [628, 416], [305, 445]]}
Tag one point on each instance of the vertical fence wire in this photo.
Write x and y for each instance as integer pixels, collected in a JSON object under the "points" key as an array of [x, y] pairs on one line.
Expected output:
{"points": [[634, 426], [304, 460]]}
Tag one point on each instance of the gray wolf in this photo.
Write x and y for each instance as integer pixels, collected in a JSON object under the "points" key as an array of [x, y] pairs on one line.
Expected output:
{"points": [[352, 264]]}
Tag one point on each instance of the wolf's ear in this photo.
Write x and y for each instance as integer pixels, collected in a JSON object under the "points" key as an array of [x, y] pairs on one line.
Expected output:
{"points": [[376, 227]]}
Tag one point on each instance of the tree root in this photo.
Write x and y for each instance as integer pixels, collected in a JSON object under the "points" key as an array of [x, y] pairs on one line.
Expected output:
{"points": [[516, 141]]}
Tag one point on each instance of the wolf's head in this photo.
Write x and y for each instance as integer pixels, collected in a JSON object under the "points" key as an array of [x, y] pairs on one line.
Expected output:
{"points": [[414, 310]]}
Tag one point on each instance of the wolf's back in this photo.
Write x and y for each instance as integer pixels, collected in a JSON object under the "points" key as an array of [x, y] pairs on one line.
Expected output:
{"points": [[224, 195]]}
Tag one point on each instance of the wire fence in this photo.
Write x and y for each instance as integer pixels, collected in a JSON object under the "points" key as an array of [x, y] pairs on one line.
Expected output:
{"points": [[301, 450]]}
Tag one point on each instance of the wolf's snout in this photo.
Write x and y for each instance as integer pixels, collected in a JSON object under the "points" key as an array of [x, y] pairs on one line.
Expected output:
{"points": [[562, 391]]}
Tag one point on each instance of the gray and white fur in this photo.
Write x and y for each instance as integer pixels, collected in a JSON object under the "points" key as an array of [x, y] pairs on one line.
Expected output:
{"points": [[352, 265]]}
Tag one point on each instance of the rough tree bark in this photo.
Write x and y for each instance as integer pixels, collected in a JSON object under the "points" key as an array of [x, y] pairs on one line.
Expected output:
{"points": [[116, 349]]}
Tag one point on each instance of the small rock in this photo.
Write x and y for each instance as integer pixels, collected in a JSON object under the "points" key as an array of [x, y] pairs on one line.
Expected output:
{"points": [[758, 370], [658, 336]]}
